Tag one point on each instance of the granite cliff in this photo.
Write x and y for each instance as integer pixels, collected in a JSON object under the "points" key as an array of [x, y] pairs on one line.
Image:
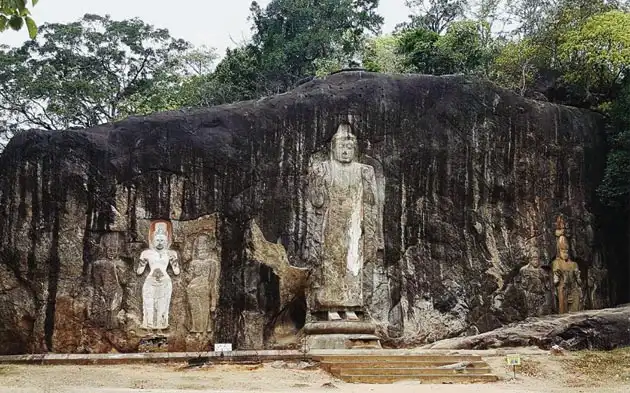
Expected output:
{"points": [[473, 179]]}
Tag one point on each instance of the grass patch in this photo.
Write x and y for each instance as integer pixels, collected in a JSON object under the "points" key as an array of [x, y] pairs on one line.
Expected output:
{"points": [[6, 370], [531, 368], [602, 366]]}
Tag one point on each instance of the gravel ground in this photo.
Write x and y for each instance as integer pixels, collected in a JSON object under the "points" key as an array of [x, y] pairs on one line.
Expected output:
{"points": [[541, 372]]}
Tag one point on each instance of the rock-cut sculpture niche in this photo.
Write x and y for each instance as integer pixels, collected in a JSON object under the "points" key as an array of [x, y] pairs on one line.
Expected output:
{"points": [[202, 291], [342, 227], [566, 274], [107, 272], [535, 285], [597, 275], [158, 287]]}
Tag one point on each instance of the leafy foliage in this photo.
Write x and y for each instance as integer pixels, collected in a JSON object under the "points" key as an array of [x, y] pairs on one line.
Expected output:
{"points": [[515, 66], [598, 52], [200, 61], [434, 15], [615, 187], [97, 70], [236, 77], [466, 47], [291, 36], [541, 60], [381, 55], [14, 14], [89, 72]]}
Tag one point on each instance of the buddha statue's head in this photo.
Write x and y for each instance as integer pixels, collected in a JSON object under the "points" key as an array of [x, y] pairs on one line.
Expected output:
{"points": [[535, 262], [160, 237], [534, 258], [111, 251], [201, 247], [563, 248], [109, 246], [344, 145]]}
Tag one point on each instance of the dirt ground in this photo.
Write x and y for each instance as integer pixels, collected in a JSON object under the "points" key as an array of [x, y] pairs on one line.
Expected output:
{"points": [[605, 372]]}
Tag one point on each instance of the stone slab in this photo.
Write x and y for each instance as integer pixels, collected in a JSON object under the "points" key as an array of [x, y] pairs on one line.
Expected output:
{"points": [[156, 357], [339, 327], [342, 341], [428, 379]]}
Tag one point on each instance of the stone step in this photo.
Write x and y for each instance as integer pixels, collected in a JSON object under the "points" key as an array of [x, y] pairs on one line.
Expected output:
{"points": [[345, 372], [374, 368], [393, 358], [398, 364], [154, 357], [427, 378]]}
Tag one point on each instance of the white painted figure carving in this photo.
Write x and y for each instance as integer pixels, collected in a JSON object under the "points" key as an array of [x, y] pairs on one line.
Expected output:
{"points": [[108, 291], [203, 289], [343, 226], [157, 288]]}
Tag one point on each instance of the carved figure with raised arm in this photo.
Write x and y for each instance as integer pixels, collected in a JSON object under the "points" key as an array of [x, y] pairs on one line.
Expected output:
{"points": [[158, 287], [202, 291], [343, 226], [566, 274]]}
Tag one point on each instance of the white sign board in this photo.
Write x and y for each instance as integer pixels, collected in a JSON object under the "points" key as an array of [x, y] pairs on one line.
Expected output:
{"points": [[222, 347], [513, 360]]}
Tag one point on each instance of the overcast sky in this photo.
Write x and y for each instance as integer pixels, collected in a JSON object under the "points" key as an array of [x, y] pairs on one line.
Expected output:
{"points": [[214, 23]]}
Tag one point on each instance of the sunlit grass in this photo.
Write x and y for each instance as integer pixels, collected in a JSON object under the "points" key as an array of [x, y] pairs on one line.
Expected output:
{"points": [[601, 366]]}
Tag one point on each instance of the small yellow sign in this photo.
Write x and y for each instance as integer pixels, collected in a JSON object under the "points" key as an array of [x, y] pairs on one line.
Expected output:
{"points": [[513, 360]]}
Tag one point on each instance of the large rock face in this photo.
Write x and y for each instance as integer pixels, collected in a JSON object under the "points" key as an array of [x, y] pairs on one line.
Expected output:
{"points": [[472, 178], [603, 329]]}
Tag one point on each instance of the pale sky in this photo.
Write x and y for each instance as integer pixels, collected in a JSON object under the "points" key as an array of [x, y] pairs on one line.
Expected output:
{"points": [[214, 23]]}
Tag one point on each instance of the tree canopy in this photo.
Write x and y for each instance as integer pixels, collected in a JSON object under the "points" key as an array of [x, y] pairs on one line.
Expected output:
{"points": [[97, 70], [14, 14], [89, 72]]}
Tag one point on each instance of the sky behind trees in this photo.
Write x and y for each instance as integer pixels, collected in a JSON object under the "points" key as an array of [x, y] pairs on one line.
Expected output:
{"points": [[214, 23]]}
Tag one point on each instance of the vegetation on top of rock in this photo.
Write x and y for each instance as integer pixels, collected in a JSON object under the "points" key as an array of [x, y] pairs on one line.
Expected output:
{"points": [[14, 14], [573, 52]]}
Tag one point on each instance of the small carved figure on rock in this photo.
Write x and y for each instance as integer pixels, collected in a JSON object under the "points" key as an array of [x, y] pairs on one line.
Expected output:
{"points": [[203, 289], [597, 287], [342, 227], [566, 274], [108, 291], [158, 287], [534, 283]]}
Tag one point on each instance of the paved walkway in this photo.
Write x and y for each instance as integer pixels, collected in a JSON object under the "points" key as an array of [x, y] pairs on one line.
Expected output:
{"points": [[156, 357], [234, 356]]}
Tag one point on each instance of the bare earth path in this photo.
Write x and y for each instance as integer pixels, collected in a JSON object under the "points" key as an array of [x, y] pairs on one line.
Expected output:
{"points": [[541, 373]]}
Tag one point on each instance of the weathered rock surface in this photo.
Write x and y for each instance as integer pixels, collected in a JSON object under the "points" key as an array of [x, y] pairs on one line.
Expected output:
{"points": [[474, 178], [596, 329]]}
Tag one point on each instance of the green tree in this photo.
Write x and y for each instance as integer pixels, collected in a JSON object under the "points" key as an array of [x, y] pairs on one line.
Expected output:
{"points": [[531, 16], [466, 47], [293, 37], [381, 55], [597, 54], [515, 67], [418, 46], [615, 187], [469, 47], [292, 40], [542, 60], [200, 61], [89, 72], [237, 77], [14, 14], [434, 15]]}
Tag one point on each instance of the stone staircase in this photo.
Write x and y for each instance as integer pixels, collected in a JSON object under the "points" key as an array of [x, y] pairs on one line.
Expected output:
{"points": [[392, 368]]}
